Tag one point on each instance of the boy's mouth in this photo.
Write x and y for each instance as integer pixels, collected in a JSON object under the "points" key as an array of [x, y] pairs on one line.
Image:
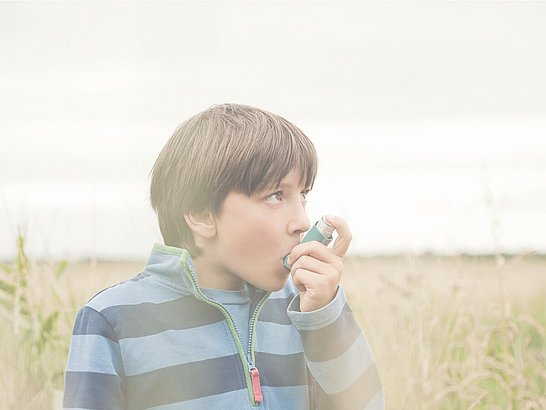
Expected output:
{"points": [[283, 258], [289, 250]]}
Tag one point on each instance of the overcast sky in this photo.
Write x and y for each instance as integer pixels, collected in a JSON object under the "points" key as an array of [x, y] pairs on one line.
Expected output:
{"points": [[91, 91], [121, 62]]}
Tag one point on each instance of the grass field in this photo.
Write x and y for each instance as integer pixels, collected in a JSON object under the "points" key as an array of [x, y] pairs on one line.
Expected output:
{"points": [[461, 332], [455, 332]]}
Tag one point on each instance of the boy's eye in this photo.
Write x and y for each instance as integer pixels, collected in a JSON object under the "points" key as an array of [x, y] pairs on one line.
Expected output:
{"points": [[274, 198], [303, 195], [278, 197]]}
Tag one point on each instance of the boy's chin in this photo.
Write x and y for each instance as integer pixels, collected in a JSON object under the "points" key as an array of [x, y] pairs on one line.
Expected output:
{"points": [[276, 288], [273, 286]]}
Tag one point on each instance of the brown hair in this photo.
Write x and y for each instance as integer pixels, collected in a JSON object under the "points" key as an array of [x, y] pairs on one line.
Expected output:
{"points": [[228, 147]]}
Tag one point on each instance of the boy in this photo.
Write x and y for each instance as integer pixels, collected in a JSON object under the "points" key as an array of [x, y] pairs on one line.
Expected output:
{"points": [[215, 321]]}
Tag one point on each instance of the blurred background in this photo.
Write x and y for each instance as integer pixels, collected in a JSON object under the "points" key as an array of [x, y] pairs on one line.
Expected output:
{"points": [[420, 112], [429, 119]]}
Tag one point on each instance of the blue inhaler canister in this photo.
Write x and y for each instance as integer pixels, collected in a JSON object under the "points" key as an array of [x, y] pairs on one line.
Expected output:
{"points": [[321, 232]]}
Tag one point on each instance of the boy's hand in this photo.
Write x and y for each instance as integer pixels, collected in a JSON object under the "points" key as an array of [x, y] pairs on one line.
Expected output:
{"points": [[316, 269]]}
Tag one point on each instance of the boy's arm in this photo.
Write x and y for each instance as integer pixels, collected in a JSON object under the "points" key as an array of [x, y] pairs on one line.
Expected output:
{"points": [[94, 370], [342, 370], [341, 367]]}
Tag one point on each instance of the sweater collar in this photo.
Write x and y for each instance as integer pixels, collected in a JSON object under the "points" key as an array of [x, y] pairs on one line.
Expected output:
{"points": [[172, 265]]}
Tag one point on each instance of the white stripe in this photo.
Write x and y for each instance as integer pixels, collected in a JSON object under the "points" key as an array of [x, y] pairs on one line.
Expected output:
{"points": [[237, 399], [320, 318], [286, 397], [174, 347], [289, 290], [93, 353], [377, 402], [145, 290], [74, 408], [337, 374], [277, 339]]}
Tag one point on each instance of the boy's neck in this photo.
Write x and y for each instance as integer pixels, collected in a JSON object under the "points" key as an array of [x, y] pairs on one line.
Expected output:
{"points": [[211, 277]]}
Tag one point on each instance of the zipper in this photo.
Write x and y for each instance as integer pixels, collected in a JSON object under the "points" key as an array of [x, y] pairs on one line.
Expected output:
{"points": [[252, 375], [252, 326], [256, 384]]}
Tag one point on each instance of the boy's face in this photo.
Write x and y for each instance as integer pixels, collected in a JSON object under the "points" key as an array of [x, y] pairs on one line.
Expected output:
{"points": [[253, 234]]}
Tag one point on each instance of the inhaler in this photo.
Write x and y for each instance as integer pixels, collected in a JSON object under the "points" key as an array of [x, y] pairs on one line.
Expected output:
{"points": [[321, 232]]}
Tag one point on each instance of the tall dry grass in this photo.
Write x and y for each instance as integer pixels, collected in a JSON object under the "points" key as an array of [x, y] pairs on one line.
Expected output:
{"points": [[442, 337], [35, 316]]}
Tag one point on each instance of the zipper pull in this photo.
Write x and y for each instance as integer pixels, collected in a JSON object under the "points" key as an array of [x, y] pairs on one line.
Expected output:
{"points": [[256, 386]]}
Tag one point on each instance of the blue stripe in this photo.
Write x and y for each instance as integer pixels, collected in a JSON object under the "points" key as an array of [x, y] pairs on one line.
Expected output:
{"points": [[93, 391], [185, 382], [89, 321], [96, 354], [333, 340], [280, 371], [275, 311], [174, 347], [149, 318]]}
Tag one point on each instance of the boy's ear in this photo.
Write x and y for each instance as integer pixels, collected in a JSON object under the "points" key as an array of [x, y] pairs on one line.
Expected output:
{"points": [[202, 224]]}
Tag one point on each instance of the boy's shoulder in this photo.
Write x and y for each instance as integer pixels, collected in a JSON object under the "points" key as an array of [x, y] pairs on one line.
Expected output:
{"points": [[147, 292], [141, 289]]}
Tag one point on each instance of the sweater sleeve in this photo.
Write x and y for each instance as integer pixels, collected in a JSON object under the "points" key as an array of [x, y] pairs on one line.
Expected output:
{"points": [[341, 369], [94, 371]]}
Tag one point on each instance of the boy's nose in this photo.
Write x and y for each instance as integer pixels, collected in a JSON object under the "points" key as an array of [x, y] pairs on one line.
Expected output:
{"points": [[300, 222]]}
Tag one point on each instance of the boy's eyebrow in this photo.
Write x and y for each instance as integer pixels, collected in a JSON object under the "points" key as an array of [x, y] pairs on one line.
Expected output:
{"points": [[284, 185]]}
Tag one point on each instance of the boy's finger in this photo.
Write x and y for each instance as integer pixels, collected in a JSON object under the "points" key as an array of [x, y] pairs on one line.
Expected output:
{"points": [[313, 248], [301, 278], [343, 240], [311, 264]]}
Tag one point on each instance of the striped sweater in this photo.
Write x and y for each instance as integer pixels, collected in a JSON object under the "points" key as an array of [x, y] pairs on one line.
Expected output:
{"points": [[157, 341]]}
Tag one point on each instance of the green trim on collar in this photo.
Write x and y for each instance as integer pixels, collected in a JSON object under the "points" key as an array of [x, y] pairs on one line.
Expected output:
{"points": [[171, 250]]}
